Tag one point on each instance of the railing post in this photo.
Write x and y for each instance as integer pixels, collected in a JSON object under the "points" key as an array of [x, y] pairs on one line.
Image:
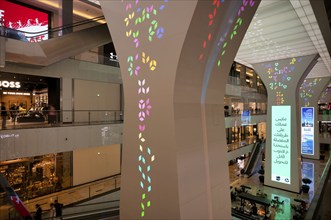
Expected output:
{"points": [[89, 117]]}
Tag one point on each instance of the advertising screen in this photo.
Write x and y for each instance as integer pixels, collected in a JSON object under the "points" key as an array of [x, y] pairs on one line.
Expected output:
{"points": [[281, 144], [246, 117], [307, 130], [18, 17], [308, 172]]}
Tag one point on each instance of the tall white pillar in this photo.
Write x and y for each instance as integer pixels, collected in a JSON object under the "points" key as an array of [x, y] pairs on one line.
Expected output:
{"points": [[283, 79], [175, 57]]}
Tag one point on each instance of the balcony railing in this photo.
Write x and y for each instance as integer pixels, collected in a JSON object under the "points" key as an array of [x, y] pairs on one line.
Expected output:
{"points": [[40, 119], [90, 56], [72, 195]]}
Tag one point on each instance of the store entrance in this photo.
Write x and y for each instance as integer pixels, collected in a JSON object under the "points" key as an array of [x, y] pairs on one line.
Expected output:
{"points": [[27, 98]]}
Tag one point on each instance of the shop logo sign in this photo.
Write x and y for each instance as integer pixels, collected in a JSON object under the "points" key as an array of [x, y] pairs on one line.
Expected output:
{"points": [[10, 84]]}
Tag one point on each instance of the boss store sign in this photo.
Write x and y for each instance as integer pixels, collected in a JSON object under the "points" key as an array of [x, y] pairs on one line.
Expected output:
{"points": [[10, 84]]}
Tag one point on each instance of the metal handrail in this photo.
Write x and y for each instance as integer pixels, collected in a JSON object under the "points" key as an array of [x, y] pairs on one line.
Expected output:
{"points": [[87, 191], [86, 213], [38, 118]]}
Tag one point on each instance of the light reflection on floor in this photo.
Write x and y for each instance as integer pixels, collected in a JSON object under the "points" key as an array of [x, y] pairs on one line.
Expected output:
{"points": [[311, 168]]}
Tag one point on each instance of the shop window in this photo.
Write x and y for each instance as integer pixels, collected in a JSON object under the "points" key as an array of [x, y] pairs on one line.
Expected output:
{"points": [[38, 176]]}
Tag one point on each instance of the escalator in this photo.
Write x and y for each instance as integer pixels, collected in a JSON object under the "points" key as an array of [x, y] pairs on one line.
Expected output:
{"points": [[50, 51], [255, 160]]}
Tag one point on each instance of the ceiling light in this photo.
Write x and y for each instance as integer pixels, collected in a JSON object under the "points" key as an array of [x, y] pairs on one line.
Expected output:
{"points": [[55, 4]]}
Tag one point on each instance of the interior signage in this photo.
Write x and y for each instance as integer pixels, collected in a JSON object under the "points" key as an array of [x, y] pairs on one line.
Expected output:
{"points": [[17, 93], [281, 144], [307, 130], [308, 171], [10, 84], [246, 117], [19, 17]]}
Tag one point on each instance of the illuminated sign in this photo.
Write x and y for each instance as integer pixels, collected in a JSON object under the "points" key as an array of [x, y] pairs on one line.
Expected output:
{"points": [[307, 130], [17, 93], [281, 144], [246, 117], [307, 171], [18, 17], [10, 84]]}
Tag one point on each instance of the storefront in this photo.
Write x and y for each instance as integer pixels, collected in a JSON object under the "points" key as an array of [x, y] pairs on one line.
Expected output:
{"points": [[26, 96], [37, 176]]}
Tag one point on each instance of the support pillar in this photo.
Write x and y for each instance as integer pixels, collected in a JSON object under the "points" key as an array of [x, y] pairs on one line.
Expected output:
{"points": [[66, 16], [67, 85], [175, 58], [310, 92], [243, 75], [2, 44], [283, 79], [2, 52]]}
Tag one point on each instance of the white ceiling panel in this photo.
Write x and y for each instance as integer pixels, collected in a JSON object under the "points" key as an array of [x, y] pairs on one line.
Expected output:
{"points": [[282, 29]]}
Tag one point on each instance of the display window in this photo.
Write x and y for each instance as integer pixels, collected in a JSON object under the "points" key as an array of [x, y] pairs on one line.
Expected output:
{"points": [[27, 97], [38, 176]]}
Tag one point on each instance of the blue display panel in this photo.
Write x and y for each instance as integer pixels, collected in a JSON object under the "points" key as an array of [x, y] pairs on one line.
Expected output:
{"points": [[281, 144], [307, 130], [246, 117], [308, 171]]}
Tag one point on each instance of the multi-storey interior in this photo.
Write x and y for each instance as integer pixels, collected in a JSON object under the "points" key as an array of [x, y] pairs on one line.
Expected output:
{"points": [[63, 92]]}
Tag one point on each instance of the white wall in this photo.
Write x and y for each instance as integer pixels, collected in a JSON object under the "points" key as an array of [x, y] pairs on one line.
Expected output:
{"points": [[95, 163], [93, 95]]}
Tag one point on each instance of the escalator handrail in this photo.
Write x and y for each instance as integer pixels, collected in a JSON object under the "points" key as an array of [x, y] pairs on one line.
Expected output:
{"points": [[60, 28], [253, 157], [256, 156], [250, 158], [249, 164]]}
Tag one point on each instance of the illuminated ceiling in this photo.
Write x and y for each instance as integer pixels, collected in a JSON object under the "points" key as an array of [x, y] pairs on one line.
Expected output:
{"points": [[284, 29], [82, 9]]}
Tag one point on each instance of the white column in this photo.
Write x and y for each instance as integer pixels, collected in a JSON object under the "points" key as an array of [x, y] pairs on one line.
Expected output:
{"points": [[283, 79], [175, 57], [310, 91]]}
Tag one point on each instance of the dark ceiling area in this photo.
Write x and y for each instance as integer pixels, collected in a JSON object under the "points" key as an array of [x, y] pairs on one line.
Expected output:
{"points": [[28, 83]]}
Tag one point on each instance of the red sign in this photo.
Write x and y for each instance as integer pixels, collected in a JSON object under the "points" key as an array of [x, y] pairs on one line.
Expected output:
{"points": [[25, 19]]}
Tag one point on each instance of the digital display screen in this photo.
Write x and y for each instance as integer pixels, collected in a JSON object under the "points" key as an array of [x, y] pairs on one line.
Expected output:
{"points": [[307, 130], [246, 117], [18, 17], [281, 144], [308, 172]]}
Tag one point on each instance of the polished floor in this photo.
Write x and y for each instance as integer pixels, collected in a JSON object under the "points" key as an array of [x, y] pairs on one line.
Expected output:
{"points": [[288, 208]]}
